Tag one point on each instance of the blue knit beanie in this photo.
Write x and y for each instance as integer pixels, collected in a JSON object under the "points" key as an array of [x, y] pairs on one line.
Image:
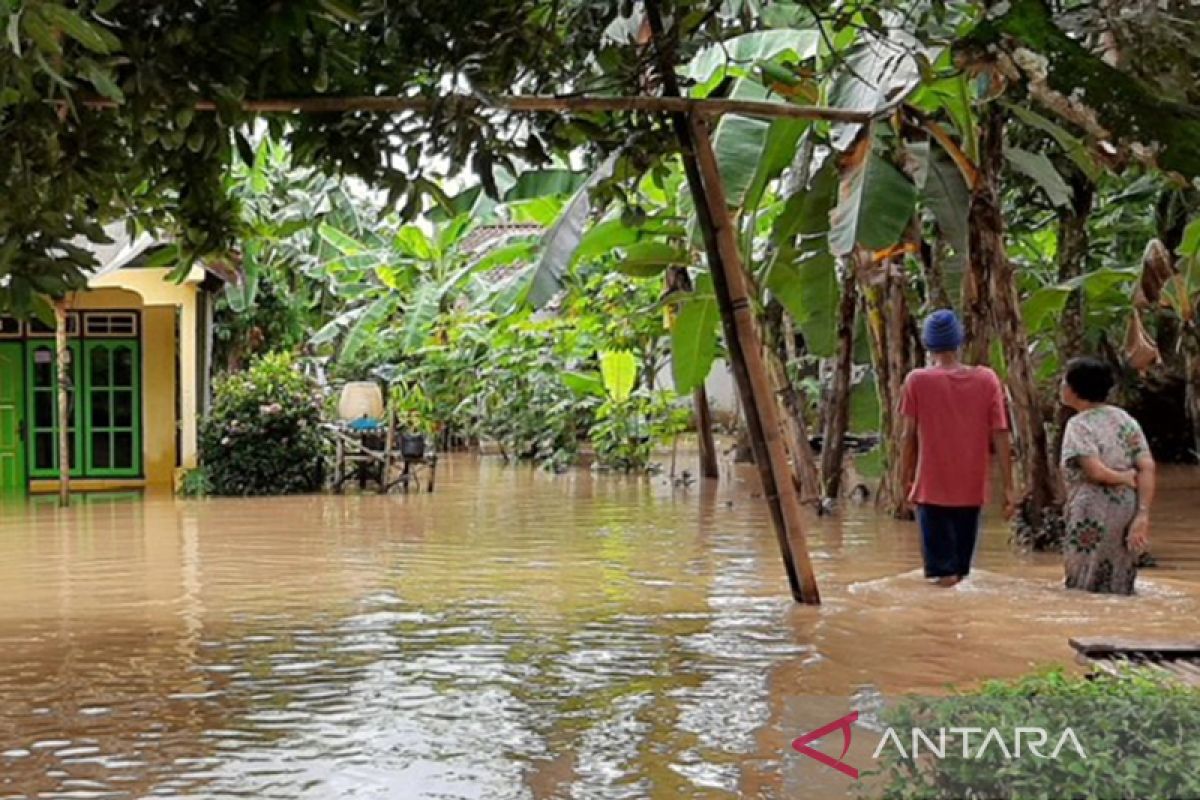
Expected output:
{"points": [[943, 332]]}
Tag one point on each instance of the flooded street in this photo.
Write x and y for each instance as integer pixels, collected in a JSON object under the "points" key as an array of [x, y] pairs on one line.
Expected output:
{"points": [[514, 635]]}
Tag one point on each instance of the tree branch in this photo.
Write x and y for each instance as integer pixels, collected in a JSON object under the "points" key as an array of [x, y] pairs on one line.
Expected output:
{"points": [[530, 104]]}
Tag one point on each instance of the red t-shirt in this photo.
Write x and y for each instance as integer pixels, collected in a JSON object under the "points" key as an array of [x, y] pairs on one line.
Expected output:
{"points": [[956, 411]]}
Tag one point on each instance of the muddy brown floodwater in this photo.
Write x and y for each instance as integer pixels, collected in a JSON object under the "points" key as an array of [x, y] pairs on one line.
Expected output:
{"points": [[514, 635]]}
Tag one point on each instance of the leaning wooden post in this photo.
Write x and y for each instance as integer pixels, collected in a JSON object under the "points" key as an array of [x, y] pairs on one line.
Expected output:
{"points": [[63, 382], [762, 410], [741, 337]]}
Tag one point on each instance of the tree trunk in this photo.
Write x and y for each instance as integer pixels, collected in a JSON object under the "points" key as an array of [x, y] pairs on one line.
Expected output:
{"points": [[837, 403], [1040, 513], [704, 434], [1191, 347], [894, 356], [64, 403], [741, 337], [933, 258], [804, 463], [1072, 262]]}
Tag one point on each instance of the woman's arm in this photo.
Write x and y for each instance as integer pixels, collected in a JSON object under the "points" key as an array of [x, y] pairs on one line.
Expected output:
{"points": [[1139, 532], [1095, 471]]}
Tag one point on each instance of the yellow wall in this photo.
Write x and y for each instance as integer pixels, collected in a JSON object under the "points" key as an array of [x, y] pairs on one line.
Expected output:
{"points": [[158, 395]]}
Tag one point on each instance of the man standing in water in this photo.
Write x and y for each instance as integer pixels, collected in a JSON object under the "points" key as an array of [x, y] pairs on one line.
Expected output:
{"points": [[954, 417]]}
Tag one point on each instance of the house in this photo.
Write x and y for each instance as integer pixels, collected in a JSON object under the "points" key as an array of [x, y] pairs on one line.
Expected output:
{"points": [[139, 345]]}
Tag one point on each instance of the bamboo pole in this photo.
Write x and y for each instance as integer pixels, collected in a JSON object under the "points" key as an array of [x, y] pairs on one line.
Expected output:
{"points": [[741, 337], [63, 383], [529, 104], [754, 384]]}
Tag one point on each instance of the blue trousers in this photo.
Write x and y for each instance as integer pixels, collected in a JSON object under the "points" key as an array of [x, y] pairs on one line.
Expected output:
{"points": [[948, 537]]}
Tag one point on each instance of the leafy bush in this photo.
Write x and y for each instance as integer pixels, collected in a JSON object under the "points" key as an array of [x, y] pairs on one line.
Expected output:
{"points": [[626, 432], [1141, 736], [263, 435], [195, 483]]}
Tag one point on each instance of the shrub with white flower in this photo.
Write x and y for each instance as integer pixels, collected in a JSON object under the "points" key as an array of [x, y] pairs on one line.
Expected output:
{"points": [[263, 434]]}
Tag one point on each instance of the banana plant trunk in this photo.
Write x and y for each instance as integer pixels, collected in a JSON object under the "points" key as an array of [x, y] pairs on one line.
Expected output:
{"points": [[837, 405], [63, 383], [1191, 360], [1072, 258], [894, 355], [704, 430], [1041, 511]]}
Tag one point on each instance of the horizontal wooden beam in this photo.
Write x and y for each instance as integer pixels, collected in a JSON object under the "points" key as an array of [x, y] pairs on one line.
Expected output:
{"points": [[534, 104]]}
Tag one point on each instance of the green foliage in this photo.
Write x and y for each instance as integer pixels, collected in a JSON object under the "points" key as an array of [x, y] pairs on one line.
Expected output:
{"points": [[1141, 735], [263, 434], [627, 430], [196, 483]]}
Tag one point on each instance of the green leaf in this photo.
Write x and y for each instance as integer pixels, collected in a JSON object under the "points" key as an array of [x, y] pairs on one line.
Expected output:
{"points": [[865, 411], [366, 326], [694, 337], [93, 37], [1189, 246], [419, 316], [102, 79], [735, 57], [778, 150], [948, 197], [738, 144], [241, 295], [648, 259], [561, 241], [876, 203], [35, 28], [584, 384], [877, 73], [1041, 309], [162, 257], [343, 243], [342, 10], [809, 290], [412, 242], [1074, 147], [618, 368], [543, 182], [14, 32], [1039, 168]]}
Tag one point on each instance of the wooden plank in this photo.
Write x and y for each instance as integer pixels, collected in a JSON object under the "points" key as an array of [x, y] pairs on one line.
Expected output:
{"points": [[1105, 646]]}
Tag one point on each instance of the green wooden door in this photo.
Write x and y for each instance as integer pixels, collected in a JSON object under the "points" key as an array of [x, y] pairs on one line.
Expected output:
{"points": [[12, 412]]}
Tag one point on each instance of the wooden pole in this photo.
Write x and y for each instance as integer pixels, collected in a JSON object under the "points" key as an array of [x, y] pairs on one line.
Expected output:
{"points": [[530, 104], [741, 337], [762, 410], [63, 384]]}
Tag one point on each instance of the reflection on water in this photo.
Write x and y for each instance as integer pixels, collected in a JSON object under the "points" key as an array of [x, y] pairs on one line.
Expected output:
{"points": [[515, 634]]}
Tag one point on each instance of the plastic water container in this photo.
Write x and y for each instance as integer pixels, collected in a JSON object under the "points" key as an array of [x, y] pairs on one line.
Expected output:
{"points": [[360, 399]]}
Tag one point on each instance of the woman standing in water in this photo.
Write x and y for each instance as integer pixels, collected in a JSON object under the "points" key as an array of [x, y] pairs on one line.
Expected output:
{"points": [[1110, 484]]}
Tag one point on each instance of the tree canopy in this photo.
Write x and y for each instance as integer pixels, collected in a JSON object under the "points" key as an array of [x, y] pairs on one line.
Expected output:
{"points": [[112, 109]]}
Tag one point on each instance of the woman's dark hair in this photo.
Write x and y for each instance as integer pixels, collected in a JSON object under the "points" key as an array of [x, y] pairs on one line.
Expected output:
{"points": [[1090, 378]]}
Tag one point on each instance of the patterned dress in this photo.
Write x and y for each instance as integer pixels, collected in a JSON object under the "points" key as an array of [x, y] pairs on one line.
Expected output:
{"points": [[1098, 517]]}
